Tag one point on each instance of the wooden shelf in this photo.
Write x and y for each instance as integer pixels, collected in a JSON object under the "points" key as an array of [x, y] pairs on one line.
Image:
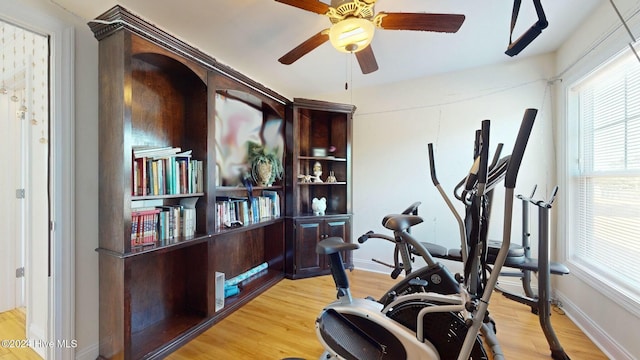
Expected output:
{"points": [[150, 340], [248, 227], [162, 197], [173, 245], [251, 288], [327, 215], [322, 183], [321, 158], [228, 189]]}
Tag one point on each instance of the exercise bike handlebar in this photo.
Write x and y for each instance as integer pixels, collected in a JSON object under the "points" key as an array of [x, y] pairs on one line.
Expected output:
{"points": [[412, 209], [370, 234]]}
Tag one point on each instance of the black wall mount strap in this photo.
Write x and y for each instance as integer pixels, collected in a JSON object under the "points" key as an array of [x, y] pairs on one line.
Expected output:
{"points": [[515, 47]]}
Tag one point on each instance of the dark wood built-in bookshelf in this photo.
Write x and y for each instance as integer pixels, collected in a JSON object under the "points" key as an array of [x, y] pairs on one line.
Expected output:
{"points": [[326, 127], [156, 91]]}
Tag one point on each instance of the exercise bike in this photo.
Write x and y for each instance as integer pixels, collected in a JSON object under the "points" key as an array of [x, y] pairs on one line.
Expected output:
{"points": [[422, 324]]}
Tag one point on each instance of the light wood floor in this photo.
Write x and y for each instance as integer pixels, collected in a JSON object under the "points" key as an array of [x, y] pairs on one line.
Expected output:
{"points": [[280, 324], [12, 328]]}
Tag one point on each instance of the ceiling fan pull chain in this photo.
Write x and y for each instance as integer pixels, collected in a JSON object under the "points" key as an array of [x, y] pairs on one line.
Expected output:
{"points": [[346, 73]]}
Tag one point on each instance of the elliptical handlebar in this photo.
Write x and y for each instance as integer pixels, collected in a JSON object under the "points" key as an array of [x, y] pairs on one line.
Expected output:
{"points": [[519, 147], [496, 156], [432, 166], [484, 154]]}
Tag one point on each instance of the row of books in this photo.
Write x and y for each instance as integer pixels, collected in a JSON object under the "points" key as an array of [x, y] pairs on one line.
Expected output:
{"points": [[166, 171], [158, 225], [144, 228], [236, 211]]}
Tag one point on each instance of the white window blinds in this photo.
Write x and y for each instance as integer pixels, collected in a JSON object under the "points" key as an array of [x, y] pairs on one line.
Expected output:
{"points": [[607, 226]]}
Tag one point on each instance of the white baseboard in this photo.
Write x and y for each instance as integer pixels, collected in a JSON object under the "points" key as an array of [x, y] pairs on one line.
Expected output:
{"points": [[368, 265], [37, 335], [90, 352], [609, 346], [514, 285]]}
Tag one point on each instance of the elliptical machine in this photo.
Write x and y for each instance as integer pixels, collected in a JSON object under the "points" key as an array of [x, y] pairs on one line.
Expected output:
{"points": [[422, 324]]}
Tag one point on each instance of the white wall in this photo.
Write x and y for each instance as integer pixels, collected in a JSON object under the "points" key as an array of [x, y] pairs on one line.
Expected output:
{"points": [[86, 219], [606, 320], [394, 124]]}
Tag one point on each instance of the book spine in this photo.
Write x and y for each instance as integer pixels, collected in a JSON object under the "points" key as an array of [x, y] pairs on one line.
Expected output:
{"points": [[154, 178], [143, 172]]}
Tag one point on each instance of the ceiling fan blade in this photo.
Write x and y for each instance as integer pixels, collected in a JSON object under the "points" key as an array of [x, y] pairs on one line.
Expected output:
{"points": [[448, 23], [304, 48], [367, 60], [315, 6]]}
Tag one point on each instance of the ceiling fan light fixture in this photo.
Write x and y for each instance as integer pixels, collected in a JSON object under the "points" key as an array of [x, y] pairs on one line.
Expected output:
{"points": [[351, 34]]}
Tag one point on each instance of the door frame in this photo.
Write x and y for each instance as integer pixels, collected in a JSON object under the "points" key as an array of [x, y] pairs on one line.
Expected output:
{"points": [[61, 282], [12, 254]]}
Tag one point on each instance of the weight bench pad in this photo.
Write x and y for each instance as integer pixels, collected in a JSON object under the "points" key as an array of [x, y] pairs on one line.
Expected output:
{"points": [[515, 258]]}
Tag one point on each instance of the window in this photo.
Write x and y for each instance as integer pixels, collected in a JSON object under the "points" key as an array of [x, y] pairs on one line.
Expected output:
{"points": [[605, 240]]}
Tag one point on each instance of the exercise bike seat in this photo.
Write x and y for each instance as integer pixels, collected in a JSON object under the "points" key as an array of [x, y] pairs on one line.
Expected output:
{"points": [[334, 244], [400, 222]]}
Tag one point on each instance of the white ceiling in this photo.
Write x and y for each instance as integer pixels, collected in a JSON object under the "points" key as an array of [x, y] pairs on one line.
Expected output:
{"points": [[250, 36]]}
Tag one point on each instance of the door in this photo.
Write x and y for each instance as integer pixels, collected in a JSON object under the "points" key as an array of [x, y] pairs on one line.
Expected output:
{"points": [[51, 188], [11, 183], [24, 151]]}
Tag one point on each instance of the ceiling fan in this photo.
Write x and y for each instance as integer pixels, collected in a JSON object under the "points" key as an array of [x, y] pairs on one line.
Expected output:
{"points": [[354, 23]]}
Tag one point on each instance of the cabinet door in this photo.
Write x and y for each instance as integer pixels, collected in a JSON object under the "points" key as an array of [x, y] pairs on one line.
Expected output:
{"points": [[340, 227], [308, 234]]}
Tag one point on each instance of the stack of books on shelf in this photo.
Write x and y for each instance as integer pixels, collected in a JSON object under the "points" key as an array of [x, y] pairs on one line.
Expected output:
{"points": [[159, 225], [165, 171], [144, 224], [237, 211]]}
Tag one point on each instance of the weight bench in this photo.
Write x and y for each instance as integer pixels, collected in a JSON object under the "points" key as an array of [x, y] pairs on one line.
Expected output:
{"points": [[516, 258], [519, 258]]}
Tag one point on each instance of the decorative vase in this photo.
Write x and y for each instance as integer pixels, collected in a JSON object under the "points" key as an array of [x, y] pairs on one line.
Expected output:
{"points": [[317, 172], [264, 173]]}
